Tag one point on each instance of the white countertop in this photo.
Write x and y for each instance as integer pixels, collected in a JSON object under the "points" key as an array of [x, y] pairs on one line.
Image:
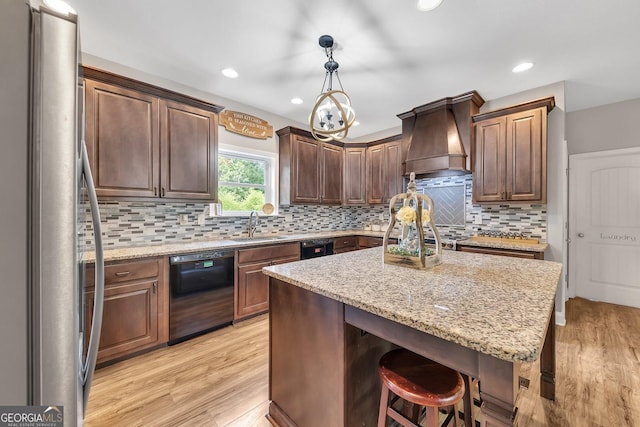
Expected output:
{"points": [[493, 304]]}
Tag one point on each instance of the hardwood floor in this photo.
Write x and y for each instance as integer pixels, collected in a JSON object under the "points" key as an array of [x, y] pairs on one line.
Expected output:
{"points": [[217, 380], [221, 379], [597, 370]]}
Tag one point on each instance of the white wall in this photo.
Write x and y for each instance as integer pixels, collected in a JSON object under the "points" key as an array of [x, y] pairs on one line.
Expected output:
{"points": [[607, 127], [556, 198]]}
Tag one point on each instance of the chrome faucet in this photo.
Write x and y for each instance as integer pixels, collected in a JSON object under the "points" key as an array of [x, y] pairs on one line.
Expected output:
{"points": [[254, 220]]}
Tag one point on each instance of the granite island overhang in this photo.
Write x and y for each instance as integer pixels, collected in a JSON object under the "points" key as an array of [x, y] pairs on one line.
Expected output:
{"points": [[482, 315]]}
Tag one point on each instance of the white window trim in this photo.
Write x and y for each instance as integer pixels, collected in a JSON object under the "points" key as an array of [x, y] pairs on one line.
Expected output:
{"points": [[271, 188]]}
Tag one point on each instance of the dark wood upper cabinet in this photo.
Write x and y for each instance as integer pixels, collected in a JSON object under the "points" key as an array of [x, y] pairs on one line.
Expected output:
{"points": [[122, 138], [392, 169], [375, 174], [188, 152], [310, 170], [331, 174], [384, 170], [355, 173], [490, 161], [510, 154], [148, 142]]}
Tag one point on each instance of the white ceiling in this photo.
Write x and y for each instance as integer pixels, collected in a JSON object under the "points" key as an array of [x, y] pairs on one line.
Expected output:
{"points": [[392, 57]]}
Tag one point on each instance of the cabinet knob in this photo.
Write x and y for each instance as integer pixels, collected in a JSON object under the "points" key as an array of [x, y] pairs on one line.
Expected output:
{"points": [[162, 195], [122, 273], [580, 234], [155, 191], [155, 287]]}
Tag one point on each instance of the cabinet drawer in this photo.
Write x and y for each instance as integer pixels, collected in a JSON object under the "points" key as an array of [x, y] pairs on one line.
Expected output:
{"points": [[344, 242], [503, 252], [369, 242], [124, 271], [268, 253]]}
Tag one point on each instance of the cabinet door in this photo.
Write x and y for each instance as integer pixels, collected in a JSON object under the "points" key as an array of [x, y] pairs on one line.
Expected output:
{"points": [[305, 171], [253, 290], [355, 190], [331, 184], [375, 174], [489, 161], [392, 170], [122, 140], [130, 318], [188, 138], [526, 156]]}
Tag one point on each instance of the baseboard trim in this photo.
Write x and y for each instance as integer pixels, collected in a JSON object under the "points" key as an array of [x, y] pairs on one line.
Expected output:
{"points": [[278, 418]]}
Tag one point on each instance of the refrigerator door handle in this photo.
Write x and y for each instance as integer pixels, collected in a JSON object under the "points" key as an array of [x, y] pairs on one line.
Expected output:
{"points": [[98, 301]]}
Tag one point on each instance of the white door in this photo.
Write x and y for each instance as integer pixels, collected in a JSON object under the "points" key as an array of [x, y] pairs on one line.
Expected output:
{"points": [[604, 206]]}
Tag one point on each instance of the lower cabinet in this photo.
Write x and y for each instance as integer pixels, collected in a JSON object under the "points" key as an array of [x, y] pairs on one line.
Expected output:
{"points": [[252, 286], [344, 244], [135, 307], [365, 242], [504, 252]]}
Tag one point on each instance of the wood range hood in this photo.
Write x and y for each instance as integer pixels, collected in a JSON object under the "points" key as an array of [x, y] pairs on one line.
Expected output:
{"points": [[439, 135]]}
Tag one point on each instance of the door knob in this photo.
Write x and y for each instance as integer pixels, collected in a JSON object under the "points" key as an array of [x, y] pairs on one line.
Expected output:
{"points": [[580, 234]]}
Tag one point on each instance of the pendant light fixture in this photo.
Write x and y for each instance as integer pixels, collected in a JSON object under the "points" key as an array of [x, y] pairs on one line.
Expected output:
{"points": [[332, 114]]}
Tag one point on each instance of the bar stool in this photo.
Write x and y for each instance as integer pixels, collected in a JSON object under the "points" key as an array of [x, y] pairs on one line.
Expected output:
{"points": [[418, 381]]}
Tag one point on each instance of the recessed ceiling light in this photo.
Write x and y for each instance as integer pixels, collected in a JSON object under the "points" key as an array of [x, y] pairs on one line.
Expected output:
{"points": [[522, 67], [427, 5], [229, 72], [296, 101], [60, 6]]}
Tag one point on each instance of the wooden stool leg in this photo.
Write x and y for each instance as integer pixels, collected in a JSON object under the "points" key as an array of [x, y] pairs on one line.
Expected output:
{"points": [[411, 411], [432, 417], [468, 401], [384, 402]]}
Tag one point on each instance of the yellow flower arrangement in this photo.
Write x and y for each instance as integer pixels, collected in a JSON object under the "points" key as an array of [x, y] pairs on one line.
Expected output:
{"points": [[407, 215]]}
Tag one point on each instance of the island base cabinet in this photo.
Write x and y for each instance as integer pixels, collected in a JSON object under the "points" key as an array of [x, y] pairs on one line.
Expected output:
{"points": [[310, 328], [313, 349]]}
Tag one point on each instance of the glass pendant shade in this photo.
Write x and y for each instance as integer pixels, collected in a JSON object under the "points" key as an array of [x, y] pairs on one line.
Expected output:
{"points": [[332, 115]]}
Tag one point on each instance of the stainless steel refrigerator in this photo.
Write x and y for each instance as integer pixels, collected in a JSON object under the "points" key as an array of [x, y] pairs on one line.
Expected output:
{"points": [[45, 184]]}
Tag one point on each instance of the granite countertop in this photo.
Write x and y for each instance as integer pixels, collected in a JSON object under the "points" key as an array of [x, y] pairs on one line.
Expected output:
{"points": [[206, 245], [493, 304], [505, 244]]}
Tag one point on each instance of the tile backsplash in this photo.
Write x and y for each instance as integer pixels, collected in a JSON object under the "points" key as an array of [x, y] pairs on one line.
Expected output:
{"points": [[147, 223]]}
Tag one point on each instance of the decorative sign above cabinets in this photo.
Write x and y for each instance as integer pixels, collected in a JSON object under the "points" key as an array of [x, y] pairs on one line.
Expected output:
{"points": [[245, 124]]}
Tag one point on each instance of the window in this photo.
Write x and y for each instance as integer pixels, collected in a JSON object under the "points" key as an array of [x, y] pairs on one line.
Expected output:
{"points": [[244, 181]]}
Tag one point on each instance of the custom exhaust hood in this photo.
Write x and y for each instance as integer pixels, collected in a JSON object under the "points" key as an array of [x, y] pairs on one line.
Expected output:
{"points": [[439, 135]]}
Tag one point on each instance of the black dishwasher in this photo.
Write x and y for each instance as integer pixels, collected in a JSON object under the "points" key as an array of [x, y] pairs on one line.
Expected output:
{"points": [[316, 248], [201, 297]]}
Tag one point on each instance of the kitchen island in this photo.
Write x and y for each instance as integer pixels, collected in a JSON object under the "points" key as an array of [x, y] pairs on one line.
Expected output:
{"points": [[332, 318]]}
